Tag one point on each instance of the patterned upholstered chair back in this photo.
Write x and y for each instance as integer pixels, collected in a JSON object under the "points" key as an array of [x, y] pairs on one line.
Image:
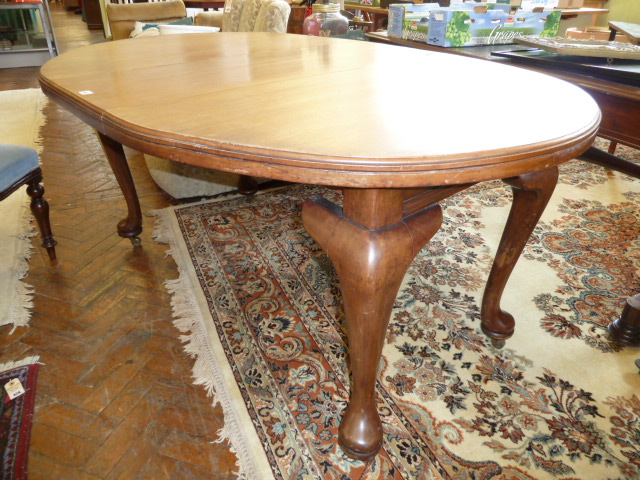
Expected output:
{"points": [[249, 16], [255, 16]]}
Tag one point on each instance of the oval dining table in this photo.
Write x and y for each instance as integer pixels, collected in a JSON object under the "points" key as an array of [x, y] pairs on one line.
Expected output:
{"points": [[396, 130]]}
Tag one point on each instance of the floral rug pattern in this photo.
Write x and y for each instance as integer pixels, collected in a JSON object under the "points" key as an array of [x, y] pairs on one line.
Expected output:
{"points": [[452, 406]]}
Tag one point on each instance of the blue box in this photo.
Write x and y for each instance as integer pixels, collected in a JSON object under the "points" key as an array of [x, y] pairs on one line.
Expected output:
{"points": [[399, 13], [455, 27]]}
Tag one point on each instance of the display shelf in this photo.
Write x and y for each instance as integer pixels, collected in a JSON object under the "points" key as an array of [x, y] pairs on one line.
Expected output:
{"points": [[27, 38]]}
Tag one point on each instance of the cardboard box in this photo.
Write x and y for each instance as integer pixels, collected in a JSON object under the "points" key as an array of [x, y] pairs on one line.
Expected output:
{"points": [[594, 33], [570, 3], [531, 4], [403, 15], [512, 3], [376, 3], [416, 29], [465, 28]]}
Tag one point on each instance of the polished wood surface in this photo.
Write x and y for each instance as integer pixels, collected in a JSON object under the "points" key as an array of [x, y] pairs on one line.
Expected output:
{"points": [[273, 105], [583, 11], [619, 102], [302, 85], [568, 13], [375, 15]]}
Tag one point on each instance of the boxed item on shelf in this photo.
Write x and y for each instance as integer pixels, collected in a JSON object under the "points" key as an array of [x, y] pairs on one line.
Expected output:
{"points": [[404, 15], [481, 26], [594, 33], [570, 3], [531, 4], [512, 3], [379, 3]]}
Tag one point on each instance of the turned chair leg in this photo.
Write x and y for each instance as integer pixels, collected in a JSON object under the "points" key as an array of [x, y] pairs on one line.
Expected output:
{"points": [[40, 210]]}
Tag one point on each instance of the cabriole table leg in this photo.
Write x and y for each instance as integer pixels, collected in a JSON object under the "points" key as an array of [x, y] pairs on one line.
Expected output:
{"points": [[131, 226], [371, 247], [531, 193]]}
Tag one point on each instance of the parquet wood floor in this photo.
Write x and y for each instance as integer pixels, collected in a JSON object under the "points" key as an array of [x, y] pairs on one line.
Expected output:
{"points": [[114, 398]]}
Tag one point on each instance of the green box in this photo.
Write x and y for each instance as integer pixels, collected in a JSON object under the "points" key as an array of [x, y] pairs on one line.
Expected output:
{"points": [[464, 28], [405, 17]]}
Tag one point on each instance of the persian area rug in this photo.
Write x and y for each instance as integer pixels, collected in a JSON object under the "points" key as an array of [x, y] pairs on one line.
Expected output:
{"points": [[16, 417], [20, 124], [260, 308]]}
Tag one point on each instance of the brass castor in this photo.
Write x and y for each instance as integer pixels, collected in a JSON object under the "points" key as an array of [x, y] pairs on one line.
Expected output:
{"points": [[498, 342], [136, 241]]}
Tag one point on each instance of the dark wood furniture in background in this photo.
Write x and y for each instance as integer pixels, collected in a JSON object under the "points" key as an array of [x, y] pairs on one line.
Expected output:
{"points": [[93, 15], [378, 16], [204, 4], [283, 102]]}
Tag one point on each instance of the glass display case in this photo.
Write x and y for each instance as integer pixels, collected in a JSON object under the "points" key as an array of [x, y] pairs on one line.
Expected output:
{"points": [[26, 34]]}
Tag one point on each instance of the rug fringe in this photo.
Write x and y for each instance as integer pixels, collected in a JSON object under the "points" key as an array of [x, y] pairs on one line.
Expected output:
{"points": [[22, 298], [19, 314], [205, 372], [38, 125], [19, 363]]}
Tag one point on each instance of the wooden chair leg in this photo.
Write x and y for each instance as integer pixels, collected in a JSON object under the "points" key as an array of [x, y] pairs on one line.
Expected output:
{"points": [[40, 210], [612, 147]]}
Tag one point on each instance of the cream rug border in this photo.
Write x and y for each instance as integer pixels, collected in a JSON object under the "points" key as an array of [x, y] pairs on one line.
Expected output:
{"points": [[19, 363], [201, 342], [21, 126]]}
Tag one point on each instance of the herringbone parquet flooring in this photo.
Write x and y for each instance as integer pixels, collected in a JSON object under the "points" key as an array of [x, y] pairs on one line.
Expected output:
{"points": [[114, 398]]}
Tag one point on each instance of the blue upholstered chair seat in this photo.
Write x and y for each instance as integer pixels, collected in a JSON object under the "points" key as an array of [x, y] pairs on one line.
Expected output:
{"points": [[15, 162], [19, 166]]}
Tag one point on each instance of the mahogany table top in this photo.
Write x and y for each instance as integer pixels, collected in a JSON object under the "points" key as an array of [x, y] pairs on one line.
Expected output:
{"points": [[323, 110]]}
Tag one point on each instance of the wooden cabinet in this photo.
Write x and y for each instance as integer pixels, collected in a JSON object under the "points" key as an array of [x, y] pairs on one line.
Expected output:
{"points": [[93, 15], [595, 3]]}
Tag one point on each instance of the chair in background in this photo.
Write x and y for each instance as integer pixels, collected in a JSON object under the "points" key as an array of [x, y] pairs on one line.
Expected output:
{"points": [[123, 17], [249, 16], [20, 166]]}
